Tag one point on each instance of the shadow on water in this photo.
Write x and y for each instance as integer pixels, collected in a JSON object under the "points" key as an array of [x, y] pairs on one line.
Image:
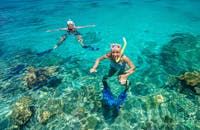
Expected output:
{"points": [[110, 112], [125, 3], [110, 107], [92, 37]]}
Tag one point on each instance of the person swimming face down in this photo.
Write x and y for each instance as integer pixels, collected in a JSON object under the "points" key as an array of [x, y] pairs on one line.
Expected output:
{"points": [[115, 51]]}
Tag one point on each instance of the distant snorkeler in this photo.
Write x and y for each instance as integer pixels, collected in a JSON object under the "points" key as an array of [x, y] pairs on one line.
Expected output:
{"points": [[71, 29]]}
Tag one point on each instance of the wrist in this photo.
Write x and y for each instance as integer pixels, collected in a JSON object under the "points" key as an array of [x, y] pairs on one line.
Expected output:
{"points": [[126, 75]]}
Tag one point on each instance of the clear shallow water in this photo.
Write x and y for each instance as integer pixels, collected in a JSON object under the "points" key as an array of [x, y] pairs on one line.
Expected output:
{"points": [[147, 26]]}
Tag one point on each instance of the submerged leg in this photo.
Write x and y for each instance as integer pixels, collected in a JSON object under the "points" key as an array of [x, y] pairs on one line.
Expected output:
{"points": [[127, 85], [80, 39], [121, 99], [107, 94], [62, 39], [111, 72], [108, 97]]}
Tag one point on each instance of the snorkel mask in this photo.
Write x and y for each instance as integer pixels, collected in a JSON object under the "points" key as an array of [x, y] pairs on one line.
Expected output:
{"points": [[115, 45]]}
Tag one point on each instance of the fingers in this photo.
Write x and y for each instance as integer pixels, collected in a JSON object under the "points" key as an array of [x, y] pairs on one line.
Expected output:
{"points": [[122, 79], [93, 70], [122, 82]]}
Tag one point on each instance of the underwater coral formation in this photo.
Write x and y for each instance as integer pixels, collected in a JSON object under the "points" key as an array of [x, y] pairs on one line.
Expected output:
{"points": [[191, 80], [22, 111], [36, 78]]}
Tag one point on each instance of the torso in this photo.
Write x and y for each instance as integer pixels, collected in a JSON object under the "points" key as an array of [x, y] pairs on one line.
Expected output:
{"points": [[73, 31], [117, 65]]}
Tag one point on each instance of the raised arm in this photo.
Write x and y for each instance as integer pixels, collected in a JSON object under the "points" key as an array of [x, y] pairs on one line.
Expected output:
{"points": [[93, 69]]}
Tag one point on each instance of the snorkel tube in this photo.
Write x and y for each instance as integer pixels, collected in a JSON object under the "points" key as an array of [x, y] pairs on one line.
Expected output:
{"points": [[122, 51]]}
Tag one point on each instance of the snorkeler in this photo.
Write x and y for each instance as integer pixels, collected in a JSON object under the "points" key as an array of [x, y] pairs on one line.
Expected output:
{"points": [[118, 63], [71, 29]]}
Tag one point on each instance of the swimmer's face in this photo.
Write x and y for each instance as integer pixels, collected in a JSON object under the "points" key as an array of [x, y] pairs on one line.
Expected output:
{"points": [[70, 26], [116, 52]]}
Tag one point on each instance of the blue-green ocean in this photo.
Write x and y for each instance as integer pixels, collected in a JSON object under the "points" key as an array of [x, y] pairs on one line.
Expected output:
{"points": [[56, 91]]}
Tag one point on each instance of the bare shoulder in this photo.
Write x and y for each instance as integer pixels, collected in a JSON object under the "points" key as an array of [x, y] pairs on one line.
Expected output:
{"points": [[124, 57], [108, 54], [128, 61]]}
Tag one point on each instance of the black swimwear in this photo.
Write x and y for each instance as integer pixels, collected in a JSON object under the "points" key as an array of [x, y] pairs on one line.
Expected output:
{"points": [[73, 32], [70, 32]]}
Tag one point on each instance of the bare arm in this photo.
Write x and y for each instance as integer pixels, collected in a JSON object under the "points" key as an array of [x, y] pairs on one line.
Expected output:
{"points": [[62, 28], [123, 77], [87, 26], [77, 27], [130, 64], [58, 29], [93, 69]]}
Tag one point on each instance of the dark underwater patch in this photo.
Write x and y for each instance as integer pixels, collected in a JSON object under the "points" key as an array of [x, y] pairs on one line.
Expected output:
{"points": [[94, 4], [180, 54], [91, 37], [126, 3]]}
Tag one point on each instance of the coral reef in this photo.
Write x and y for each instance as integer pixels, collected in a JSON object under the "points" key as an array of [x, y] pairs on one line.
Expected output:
{"points": [[44, 116], [158, 98], [191, 80], [36, 78], [50, 108], [76, 103], [92, 122], [22, 111]]}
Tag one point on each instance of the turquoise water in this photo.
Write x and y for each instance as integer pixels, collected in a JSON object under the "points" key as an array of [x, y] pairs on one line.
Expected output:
{"points": [[163, 41]]}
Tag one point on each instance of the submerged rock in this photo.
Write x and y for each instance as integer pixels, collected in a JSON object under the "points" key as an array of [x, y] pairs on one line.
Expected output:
{"points": [[36, 78], [92, 122], [50, 108], [45, 116], [22, 111], [158, 98], [191, 80]]}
